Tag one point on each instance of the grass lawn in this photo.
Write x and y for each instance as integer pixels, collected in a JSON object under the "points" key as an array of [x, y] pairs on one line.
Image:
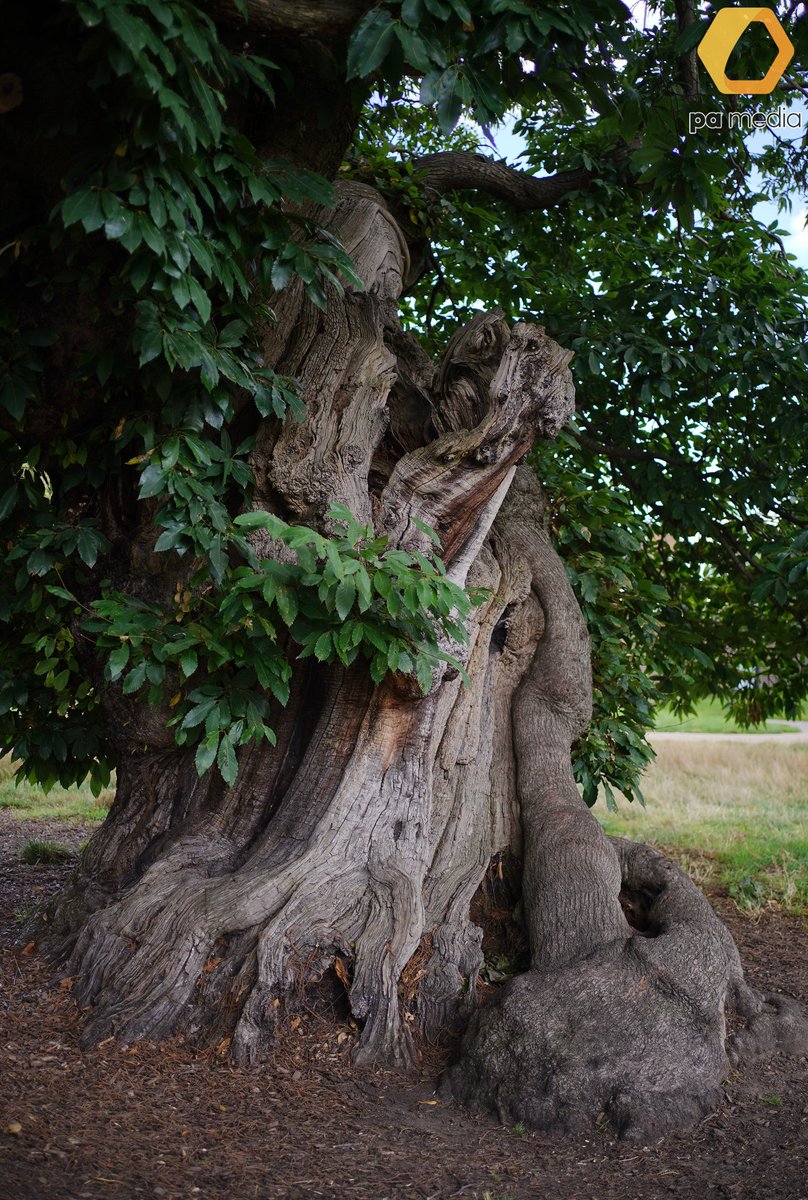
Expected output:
{"points": [[60, 804], [735, 814], [710, 717], [731, 813]]}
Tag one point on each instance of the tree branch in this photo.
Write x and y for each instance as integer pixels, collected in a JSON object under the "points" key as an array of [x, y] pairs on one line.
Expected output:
{"points": [[629, 453], [459, 170], [686, 15], [308, 18]]}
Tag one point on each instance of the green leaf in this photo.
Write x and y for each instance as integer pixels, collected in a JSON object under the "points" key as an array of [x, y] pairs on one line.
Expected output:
{"points": [[199, 713], [423, 673], [345, 596], [370, 43], [7, 501], [411, 12], [39, 562], [79, 205], [119, 226], [227, 761], [286, 601], [200, 299], [690, 36], [118, 660], [170, 538], [427, 530], [152, 481], [232, 333], [62, 594], [261, 520], [150, 346], [157, 207], [14, 394], [416, 50], [133, 32], [135, 679], [218, 559], [90, 543], [206, 753], [322, 648], [450, 105], [282, 272]]}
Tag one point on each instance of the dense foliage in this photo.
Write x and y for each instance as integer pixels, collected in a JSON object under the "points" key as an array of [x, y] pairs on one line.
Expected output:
{"points": [[172, 211], [678, 500]]}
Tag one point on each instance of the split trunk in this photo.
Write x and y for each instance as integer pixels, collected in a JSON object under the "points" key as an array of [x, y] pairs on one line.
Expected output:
{"points": [[368, 848]]}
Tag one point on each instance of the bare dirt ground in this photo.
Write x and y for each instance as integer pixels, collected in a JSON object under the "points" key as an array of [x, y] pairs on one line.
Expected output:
{"points": [[176, 1124]]}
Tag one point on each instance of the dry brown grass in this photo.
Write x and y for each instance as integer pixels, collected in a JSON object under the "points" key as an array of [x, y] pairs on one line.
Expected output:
{"points": [[734, 812]]}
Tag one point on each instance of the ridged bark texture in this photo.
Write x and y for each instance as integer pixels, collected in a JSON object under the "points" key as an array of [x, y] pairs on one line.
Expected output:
{"points": [[612, 1022], [365, 834]]}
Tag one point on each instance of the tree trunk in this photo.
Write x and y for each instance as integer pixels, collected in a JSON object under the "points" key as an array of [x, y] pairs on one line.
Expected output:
{"points": [[622, 1016], [363, 837]]}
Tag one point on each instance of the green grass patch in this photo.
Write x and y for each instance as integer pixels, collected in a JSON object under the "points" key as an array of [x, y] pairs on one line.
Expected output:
{"points": [[29, 802], [732, 814], [710, 717], [38, 854]]}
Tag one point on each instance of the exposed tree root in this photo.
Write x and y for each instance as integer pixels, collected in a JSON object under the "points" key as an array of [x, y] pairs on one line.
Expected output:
{"points": [[634, 1033], [359, 842], [619, 1019], [369, 827]]}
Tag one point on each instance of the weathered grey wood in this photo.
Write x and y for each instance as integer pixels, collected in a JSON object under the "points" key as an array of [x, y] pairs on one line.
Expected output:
{"points": [[366, 833], [347, 857], [611, 1022]]}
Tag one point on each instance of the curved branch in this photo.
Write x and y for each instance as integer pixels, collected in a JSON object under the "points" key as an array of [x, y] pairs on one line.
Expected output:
{"points": [[308, 18], [460, 170], [571, 880], [630, 453], [686, 16]]}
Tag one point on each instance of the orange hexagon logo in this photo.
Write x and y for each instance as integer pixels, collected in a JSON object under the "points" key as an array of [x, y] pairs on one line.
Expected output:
{"points": [[723, 36]]}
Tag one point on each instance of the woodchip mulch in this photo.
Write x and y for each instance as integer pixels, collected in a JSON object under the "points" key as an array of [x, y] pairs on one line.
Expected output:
{"points": [[175, 1123]]}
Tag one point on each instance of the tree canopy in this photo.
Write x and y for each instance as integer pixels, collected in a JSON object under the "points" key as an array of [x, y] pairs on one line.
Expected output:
{"points": [[147, 230]]}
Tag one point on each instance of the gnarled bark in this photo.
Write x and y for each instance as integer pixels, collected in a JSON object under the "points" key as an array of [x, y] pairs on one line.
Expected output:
{"points": [[309, 18], [366, 832], [614, 1022]]}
